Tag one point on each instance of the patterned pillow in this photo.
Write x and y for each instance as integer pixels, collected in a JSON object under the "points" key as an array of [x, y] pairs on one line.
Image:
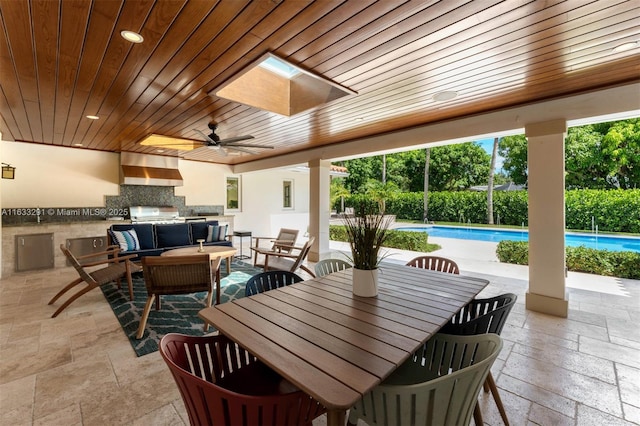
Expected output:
{"points": [[127, 240], [217, 233]]}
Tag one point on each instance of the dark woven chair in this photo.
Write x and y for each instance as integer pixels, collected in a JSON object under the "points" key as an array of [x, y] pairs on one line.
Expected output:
{"points": [[478, 317], [117, 267], [435, 263], [270, 280], [177, 275], [222, 384], [328, 266]]}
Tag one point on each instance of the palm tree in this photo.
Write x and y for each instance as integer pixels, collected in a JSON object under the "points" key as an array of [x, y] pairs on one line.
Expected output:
{"points": [[492, 169], [426, 183]]}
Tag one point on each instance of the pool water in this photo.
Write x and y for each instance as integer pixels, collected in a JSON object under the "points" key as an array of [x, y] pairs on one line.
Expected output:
{"points": [[496, 235]]}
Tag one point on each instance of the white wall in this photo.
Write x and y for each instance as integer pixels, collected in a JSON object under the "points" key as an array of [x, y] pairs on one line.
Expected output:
{"points": [[204, 183], [262, 211], [58, 177]]}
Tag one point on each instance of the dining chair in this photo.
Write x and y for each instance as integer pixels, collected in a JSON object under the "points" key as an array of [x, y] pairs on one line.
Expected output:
{"points": [[116, 267], [177, 275], [283, 243], [484, 316], [222, 384], [442, 391], [328, 266], [270, 280], [291, 261], [435, 263]]}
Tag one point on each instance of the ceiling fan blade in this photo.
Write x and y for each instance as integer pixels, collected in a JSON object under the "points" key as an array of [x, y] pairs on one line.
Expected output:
{"points": [[236, 139], [237, 148], [246, 145], [205, 137], [220, 148]]}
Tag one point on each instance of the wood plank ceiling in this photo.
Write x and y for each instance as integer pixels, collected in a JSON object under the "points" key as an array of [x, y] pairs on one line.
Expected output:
{"points": [[62, 60]]}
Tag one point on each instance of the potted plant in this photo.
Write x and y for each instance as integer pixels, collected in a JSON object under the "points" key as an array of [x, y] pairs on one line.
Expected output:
{"points": [[367, 229]]}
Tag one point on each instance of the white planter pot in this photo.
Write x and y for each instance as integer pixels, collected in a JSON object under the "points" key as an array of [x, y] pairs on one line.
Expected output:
{"points": [[365, 282]]}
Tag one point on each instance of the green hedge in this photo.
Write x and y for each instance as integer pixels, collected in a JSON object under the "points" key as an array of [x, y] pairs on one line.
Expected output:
{"points": [[404, 240], [621, 264], [612, 210]]}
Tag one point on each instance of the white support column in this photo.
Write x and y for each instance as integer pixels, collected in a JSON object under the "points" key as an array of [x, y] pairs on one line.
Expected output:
{"points": [[547, 290], [319, 208]]}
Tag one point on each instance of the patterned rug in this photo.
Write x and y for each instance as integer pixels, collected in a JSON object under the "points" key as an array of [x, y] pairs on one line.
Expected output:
{"points": [[178, 314]]}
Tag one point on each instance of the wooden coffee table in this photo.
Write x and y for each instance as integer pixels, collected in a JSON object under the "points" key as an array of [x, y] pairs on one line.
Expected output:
{"points": [[213, 252]]}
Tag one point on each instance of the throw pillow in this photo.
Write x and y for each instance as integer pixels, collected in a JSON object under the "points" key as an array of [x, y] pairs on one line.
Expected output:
{"points": [[127, 240], [216, 233]]}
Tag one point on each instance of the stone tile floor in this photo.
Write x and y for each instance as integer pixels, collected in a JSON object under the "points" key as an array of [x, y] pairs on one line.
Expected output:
{"points": [[79, 368]]}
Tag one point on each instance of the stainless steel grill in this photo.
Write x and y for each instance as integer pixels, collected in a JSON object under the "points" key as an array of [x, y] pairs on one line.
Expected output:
{"points": [[151, 214]]}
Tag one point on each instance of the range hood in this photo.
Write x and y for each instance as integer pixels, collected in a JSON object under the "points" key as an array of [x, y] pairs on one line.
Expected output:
{"points": [[152, 170]]}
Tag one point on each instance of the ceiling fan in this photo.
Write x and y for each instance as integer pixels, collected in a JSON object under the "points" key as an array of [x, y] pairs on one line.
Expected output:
{"points": [[214, 141]]}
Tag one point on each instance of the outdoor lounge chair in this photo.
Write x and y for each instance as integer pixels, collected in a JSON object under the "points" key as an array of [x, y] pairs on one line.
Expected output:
{"points": [[283, 243], [292, 261], [117, 267], [177, 275]]}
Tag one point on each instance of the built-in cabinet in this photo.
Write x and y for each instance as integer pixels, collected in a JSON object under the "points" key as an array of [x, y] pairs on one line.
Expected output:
{"points": [[87, 245], [34, 251]]}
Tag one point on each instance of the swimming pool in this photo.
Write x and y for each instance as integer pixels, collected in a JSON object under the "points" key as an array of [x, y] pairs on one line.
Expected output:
{"points": [[571, 240]]}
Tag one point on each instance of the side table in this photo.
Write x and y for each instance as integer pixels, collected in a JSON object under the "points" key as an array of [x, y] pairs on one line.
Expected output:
{"points": [[241, 235]]}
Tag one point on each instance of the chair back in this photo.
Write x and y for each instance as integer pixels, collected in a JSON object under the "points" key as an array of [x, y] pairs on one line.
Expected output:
{"points": [[222, 384], [270, 280], [438, 386], [285, 240], [435, 263], [482, 316], [328, 266], [179, 274], [86, 277], [304, 252]]}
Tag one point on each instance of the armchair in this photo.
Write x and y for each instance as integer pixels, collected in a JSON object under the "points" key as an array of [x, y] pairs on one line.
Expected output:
{"points": [[283, 243], [292, 261]]}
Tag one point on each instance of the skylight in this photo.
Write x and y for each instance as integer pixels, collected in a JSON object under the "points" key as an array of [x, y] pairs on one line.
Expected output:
{"points": [[279, 66], [275, 85]]}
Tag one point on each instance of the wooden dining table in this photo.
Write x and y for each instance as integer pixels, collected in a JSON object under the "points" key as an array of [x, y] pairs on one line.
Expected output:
{"points": [[336, 346]]}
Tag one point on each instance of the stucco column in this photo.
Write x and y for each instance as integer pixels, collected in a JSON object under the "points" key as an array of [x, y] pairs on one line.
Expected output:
{"points": [[547, 290], [319, 212]]}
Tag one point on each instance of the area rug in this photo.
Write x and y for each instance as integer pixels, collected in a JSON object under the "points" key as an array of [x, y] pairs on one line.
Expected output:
{"points": [[178, 314]]}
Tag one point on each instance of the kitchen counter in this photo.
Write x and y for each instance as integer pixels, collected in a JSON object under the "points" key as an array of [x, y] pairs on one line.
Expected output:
{"points": [[61, 232]]}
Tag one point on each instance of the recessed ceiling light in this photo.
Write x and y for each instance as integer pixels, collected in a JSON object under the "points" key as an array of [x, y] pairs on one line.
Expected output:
{"points": [[359, 119], [625, 46], [445, 96], [160, 150], [77, 144], [93, 117], [131, 36]]}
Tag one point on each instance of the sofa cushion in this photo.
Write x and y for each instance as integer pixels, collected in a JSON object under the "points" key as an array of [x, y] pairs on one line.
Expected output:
{"points": [[144, 231], [200, 230], [217, 233], [173, 235], [127, 240]]}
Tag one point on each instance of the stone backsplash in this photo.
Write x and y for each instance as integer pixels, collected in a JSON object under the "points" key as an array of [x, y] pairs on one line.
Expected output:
{"points": [[115, 206]]}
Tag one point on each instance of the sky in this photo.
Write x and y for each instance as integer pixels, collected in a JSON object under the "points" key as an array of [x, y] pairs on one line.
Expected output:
{"points": [[487, 145]]}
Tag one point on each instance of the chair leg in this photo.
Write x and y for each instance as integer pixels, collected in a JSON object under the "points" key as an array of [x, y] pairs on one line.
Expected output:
{"points": [[145, 316], [129, 281], [477, 415], [496, 397], [208, 302], [309, 271], [72, 298], [65, 289]]}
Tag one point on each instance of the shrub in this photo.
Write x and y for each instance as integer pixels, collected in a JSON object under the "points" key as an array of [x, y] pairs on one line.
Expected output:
{"points": [[621, 264], [403, 240]]}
